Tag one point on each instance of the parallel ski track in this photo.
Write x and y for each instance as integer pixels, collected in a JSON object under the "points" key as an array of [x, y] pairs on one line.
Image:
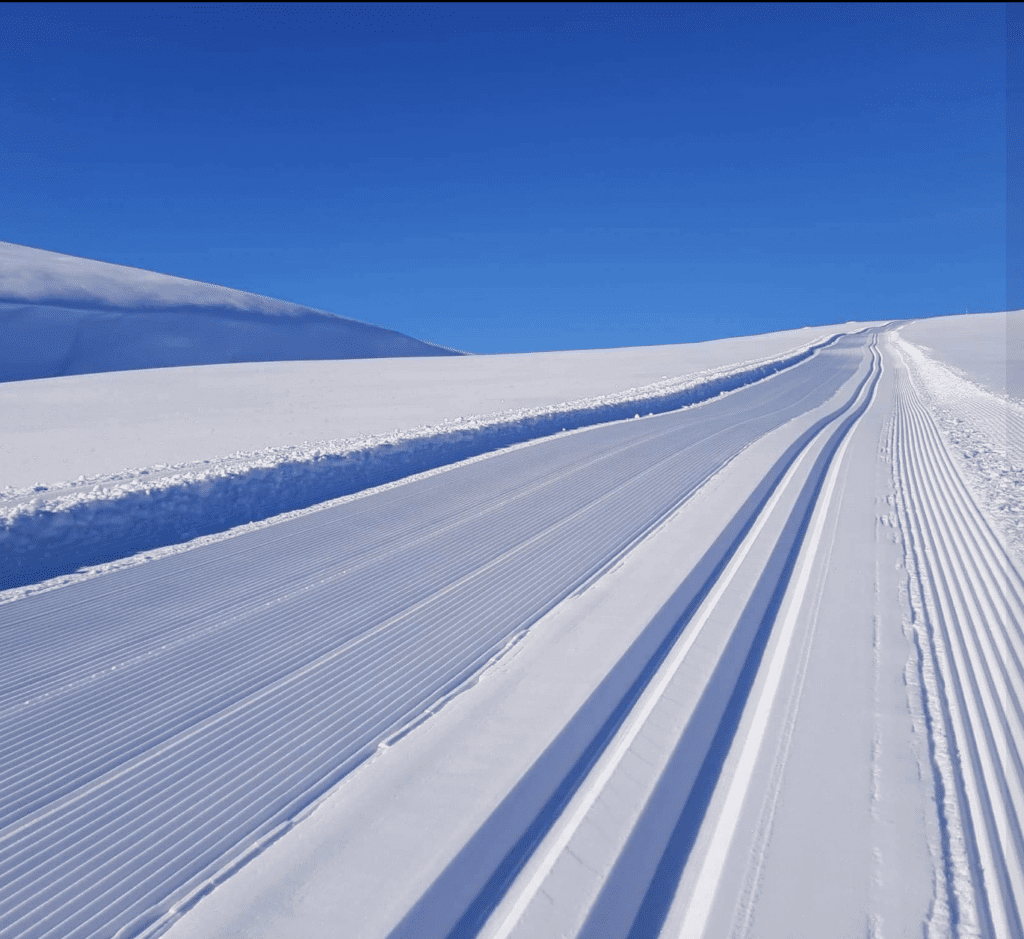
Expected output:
{"points": [[159, 722], [974, 613], [985, 436], [635, 759]]}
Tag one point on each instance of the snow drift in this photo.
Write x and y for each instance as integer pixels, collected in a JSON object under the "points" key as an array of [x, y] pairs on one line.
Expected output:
{"points": [[63, 315]]}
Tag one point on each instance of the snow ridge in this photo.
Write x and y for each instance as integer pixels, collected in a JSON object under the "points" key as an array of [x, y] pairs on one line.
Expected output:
{"points": [[51, 530], [35, 276]]}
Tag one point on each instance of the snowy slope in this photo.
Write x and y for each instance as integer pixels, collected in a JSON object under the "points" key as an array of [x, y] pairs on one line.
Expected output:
{"points": [[405, 574], [62, 315], [750, 666], [843, 687]]}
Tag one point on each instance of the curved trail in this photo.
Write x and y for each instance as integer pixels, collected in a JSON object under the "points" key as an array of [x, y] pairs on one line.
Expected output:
{"points": [[161, 721]]}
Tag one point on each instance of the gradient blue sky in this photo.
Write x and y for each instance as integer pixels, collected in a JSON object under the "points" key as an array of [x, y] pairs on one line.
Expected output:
{"points": [[523, 177]]}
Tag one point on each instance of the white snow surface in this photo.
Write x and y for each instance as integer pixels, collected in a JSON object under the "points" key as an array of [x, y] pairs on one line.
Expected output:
{"points": [[64, 315], [103, 425], [737, 653]]}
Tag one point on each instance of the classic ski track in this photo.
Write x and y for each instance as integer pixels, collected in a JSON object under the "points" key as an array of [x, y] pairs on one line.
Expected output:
{"points": [[974, 612], [131, 722], [643, 725], [800, 595]]}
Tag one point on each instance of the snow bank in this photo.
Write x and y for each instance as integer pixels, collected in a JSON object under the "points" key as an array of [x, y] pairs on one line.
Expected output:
{"points": [[49, 531], [62, 315]]}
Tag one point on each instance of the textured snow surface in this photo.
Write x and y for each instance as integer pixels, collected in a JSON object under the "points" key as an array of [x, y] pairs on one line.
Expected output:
{"points": [[984, 433], [50, 531], [253, 673], [966, 612], [62, 315], [740, 655]]}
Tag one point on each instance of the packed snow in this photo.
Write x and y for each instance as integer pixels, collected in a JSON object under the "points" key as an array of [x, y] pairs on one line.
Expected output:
{"points": [[693, 641], [63, 315]]}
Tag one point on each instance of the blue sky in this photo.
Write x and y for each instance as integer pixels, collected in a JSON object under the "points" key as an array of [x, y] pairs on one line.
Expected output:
{"points": [[522, 178]]}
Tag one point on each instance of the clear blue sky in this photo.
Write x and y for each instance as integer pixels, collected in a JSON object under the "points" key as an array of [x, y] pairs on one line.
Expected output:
{"points": [[520, 178]]}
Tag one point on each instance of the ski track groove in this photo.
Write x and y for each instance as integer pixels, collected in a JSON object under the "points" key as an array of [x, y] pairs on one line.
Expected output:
{"points": [[974, 612], [149, 754], [519, 903]]}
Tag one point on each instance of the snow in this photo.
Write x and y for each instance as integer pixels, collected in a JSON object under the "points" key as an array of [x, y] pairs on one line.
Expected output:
{"points": [[62, 315], [530, 541], [401, 818], [100, 425], [718, 640], [422, 800], [963, 383], [985, 348], [50, 531]]}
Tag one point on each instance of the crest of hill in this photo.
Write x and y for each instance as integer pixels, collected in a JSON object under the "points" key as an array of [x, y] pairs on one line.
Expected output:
{"points": [[63, 315]]}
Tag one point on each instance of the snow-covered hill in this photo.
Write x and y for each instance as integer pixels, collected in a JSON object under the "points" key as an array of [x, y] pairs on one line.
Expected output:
{"points": [[63, 315]]}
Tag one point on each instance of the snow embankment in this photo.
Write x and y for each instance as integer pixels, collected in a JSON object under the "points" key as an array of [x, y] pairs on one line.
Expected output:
{"points": [[63, 315], [50, 531]]}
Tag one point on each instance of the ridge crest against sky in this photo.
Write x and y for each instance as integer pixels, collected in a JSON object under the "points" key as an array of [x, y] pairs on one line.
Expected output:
{"points": [[523, 177], [31, 275], [63, 315]]}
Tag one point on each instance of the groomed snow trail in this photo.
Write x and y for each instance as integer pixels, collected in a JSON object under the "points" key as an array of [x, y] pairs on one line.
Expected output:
{"points": [[162, 722], [593, 862], [970, 619], [664, 823]]}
